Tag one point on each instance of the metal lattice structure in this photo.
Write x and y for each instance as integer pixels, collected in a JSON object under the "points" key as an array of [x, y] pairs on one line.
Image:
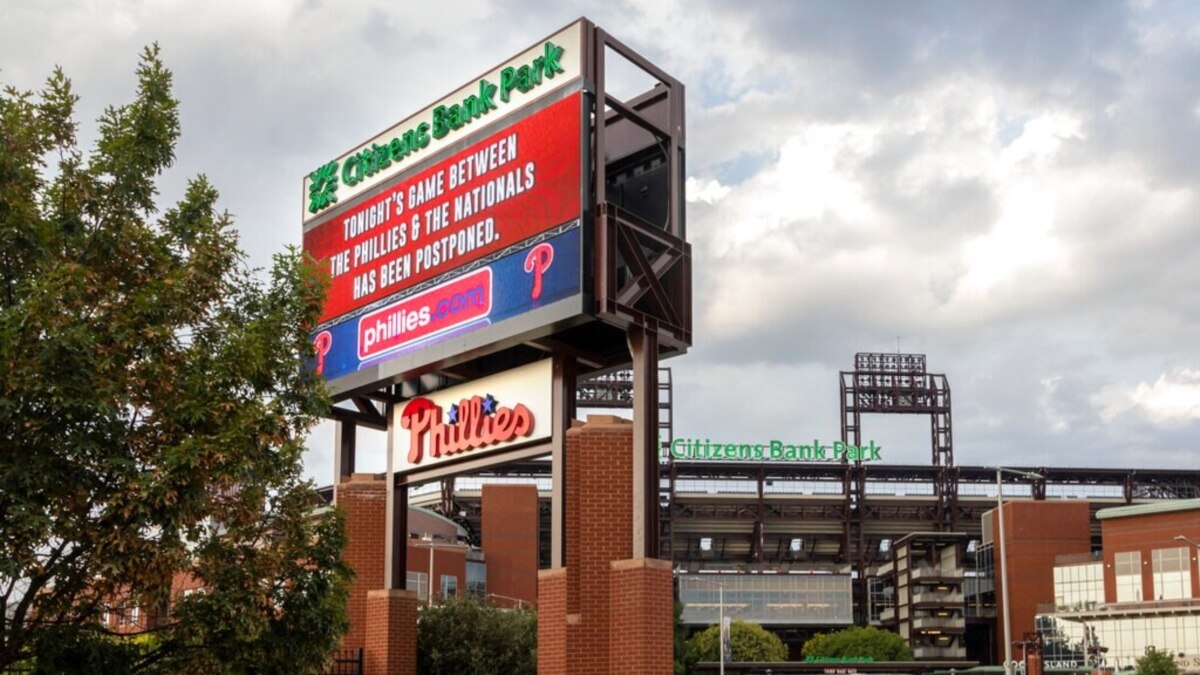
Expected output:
{"points": [[895, 384], [615, 390]]}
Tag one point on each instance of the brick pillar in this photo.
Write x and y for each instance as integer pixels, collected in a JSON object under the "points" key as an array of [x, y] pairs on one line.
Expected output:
{"points": [[642, 633], [363, 499], [391, 633], [552, 622], [615, 606]]}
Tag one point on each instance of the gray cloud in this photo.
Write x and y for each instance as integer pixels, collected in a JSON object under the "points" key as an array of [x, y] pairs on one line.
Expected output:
{"points": [[1008, 187]]}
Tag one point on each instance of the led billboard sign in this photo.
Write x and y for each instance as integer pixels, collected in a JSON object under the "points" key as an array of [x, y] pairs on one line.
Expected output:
{"points": [[497, 192], [521, 80], [445, 254]]}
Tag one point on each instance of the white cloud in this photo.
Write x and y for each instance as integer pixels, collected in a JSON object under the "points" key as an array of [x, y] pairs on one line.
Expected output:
{"points": [[1173, 398], [708, 191]]}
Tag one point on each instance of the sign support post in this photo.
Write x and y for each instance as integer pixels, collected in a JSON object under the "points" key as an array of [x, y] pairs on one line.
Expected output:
{"points": [[563, 406], [643, 347]]}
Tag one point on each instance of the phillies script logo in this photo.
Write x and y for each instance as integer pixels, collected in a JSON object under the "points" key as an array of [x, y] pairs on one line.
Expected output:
{"points": [[536, 263], [471, 424]]}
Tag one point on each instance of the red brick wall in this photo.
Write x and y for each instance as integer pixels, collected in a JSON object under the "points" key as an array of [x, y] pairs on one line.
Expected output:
{"points": [[510, 541], [1037, 533], [364, 500], [1144, 534], [445, 561]]}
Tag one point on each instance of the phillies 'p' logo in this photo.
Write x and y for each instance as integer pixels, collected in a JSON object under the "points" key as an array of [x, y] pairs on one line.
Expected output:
{"points": [[322, 344], [537, 262]]}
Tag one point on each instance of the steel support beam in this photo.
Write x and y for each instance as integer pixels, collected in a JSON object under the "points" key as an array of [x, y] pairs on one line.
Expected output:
{"points": [[643, 347], [563, 409]]}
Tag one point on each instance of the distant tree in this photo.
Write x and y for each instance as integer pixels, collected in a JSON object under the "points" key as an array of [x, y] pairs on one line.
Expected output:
{"points": [[468, 636], [1156, 662], [154, 399], [680, 650], [748, 642], [859, 641]]}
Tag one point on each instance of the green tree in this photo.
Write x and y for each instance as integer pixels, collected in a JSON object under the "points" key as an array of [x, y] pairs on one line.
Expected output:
{"points": [[1156, 662], [680, 650], [859, 642], [154, 398], [748, 642], [468, 636]]}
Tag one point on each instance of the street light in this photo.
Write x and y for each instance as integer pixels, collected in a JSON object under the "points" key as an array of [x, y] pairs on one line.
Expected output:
{"points": [[1008, 668], [517, 601], [1180, 537], [720, 620]]}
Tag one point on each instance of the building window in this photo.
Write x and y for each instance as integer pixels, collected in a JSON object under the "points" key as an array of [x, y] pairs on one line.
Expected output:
{"points": [[1172, 573], [1129, 576], [419, 582], [449, 586], [476, 578], [1078, 587]]}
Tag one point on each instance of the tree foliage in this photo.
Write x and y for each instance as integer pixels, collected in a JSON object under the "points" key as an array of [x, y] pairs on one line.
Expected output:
{"points": [[153, 404], [748, 642], [1156, 662], [468, 636], [859, 642], [680, 646]]}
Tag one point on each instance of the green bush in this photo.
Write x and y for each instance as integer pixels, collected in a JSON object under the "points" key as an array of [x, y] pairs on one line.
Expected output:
{"points": [[866, 642], [749, 642], [466, 635], [1157, 662]]}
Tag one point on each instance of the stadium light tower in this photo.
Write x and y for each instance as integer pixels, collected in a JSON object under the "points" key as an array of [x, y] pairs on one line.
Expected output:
{"points": [[1008, 664]]}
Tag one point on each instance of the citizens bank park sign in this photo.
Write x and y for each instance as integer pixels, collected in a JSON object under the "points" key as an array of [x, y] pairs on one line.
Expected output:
{"points": [[458, 228]]}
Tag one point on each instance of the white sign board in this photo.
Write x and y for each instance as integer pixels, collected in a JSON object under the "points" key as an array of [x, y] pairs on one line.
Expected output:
{"points": [[481, 418]]}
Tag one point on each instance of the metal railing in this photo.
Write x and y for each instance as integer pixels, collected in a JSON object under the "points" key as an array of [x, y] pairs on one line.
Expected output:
{"points": [[345, 662]]}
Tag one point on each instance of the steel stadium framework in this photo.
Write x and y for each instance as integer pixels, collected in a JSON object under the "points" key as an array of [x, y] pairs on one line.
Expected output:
{"points": [[822, 517]]}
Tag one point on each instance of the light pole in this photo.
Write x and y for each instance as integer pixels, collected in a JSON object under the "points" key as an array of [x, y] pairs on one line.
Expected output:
{"points": [[1180, 537], [428, 542], [720, 620], [517, 601], [1008, 669]]}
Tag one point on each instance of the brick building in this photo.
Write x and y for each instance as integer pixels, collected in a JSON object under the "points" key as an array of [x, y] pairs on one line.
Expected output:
{"points": [[1140, 591]]}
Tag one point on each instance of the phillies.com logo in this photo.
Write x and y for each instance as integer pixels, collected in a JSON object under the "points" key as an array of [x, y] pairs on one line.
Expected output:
{"points": [[471, 424]]}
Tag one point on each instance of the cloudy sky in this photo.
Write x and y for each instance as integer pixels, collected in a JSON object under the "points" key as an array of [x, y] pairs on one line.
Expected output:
{"points": [[1010, 188]]}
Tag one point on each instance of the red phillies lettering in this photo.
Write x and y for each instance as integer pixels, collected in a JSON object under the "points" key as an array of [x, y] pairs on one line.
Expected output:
{"points": [[537, 262], [322, 344], [472, 429]]}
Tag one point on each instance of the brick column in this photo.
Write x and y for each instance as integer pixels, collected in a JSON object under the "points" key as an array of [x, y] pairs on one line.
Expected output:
{"points": [[614, 606], [391, 633], [552, 622], [642, 633], [363, 499]]}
